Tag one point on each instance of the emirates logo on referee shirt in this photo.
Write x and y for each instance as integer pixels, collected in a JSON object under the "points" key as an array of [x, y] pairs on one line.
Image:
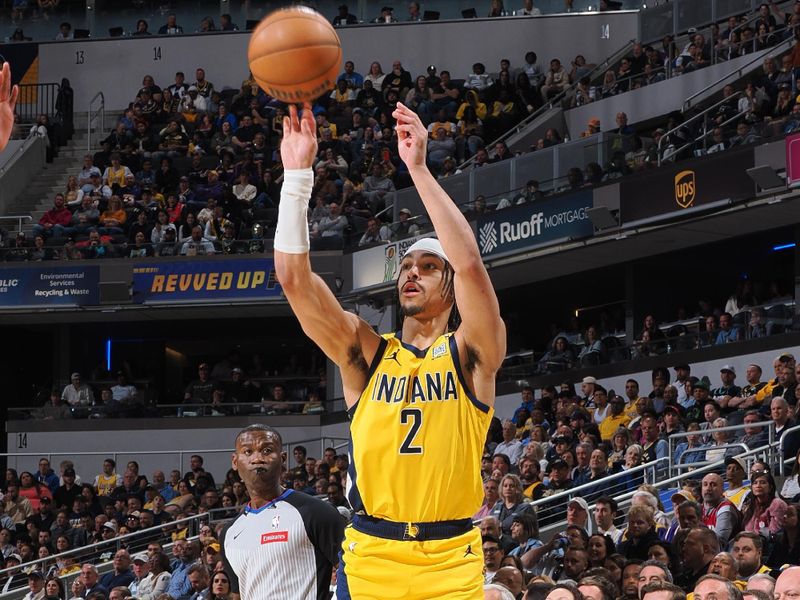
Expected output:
{"points": [[274, 536]]}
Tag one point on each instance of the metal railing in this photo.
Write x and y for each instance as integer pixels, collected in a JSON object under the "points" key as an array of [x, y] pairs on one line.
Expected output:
{"points": [[36, 99], [783, 462], [741, 70], [680, 466], [672, 440], [623, 499], [20, 169], [556, 100], [701, 115], [99, 112], [116, 543], [323, 442], [18, 218], [550, 507]]}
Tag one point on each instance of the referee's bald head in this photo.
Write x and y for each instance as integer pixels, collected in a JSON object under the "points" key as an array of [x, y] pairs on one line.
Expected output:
{"points": [[260, 427]]}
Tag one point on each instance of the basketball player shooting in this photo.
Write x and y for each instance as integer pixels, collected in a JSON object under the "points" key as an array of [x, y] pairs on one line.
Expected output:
{"points": [[420, 400]]}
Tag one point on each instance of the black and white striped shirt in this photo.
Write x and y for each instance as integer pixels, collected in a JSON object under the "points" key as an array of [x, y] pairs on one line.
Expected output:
{"points": [[285, 549]]}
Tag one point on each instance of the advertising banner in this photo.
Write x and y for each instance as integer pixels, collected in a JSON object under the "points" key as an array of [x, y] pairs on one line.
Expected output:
{"points": [[47, 286], [379, 264], [204, 281], [793, 160], [673, 189], [534, 225]]}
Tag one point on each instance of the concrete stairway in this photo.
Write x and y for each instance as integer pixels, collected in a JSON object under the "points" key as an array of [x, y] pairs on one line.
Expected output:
{"points": [[38, 198]]}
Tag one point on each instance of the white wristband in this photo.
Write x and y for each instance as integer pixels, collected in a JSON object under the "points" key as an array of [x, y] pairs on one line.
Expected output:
{"points": [[291, 232]]}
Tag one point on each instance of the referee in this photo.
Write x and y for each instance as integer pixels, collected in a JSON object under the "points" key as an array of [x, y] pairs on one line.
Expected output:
{"points": [[284, 544]]}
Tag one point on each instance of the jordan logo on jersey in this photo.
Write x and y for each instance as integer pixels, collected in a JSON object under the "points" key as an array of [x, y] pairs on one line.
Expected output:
{"points": [[393, 356]]}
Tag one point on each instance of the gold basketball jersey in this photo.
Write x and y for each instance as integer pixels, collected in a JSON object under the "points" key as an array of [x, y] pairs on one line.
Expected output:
{"points": [[417, 435]]}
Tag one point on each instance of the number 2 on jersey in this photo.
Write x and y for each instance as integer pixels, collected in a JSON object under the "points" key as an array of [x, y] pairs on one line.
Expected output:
{"points": [[414, 417]]}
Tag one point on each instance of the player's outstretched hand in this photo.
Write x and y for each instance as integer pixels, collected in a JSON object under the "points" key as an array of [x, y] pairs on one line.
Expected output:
{"points": [[299, 144], [8, 100], [412, 137]]}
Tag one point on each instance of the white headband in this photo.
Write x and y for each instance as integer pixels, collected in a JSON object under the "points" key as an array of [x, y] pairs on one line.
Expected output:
{"points": [[430, 245]]}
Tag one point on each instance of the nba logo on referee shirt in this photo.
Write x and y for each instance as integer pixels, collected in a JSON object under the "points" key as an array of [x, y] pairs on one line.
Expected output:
{"points": [[276, 521]]}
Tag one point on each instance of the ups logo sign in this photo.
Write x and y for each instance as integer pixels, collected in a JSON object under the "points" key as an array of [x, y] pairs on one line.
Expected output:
{"points": [[685, 188]]}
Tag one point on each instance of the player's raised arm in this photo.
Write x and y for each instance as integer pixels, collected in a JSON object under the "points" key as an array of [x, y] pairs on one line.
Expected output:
{"points": [[338, 333], [8, 100], [481, 325]]}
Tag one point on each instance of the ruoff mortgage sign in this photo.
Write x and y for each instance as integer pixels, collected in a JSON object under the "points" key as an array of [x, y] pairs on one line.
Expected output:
{"points": [[534, 225]]}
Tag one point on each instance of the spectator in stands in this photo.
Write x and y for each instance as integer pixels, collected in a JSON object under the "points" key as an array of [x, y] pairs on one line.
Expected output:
{"points": [[171, 27], [511, 503], [556, 80], [559, 358], [46, 475], [716, 587], [77, 393], [91, 580], [763, 511], [639, 533], [197, 244], [719, 513], [58, 216], [492, 557], [122, 574], [510, 446], [727, 332], [653, 447], [728, 390], [699, 549], [344, 17]]}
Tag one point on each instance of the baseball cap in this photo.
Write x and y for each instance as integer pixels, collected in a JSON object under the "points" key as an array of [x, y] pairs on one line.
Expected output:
{"points": [[589, 379], [136, 514], [111, 525], [728, 368], [141, 557], [405, 211], [75, 375], [682, 496], [192, 88], [729, 460], [580, 502], [702, 384], [35, 575], [430, 245], [672, 409], [69, 472], [557, 463], [15, 557], [213, 546]]}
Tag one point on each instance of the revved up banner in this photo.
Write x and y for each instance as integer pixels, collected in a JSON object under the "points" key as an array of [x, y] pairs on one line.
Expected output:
{"points": [[678, 187], [204, 280]]}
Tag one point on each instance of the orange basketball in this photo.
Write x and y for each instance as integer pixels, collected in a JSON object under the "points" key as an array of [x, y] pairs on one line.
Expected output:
{"points": [[295, 54]]}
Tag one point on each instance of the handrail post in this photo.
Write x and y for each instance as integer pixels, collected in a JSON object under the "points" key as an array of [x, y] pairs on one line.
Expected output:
{"points": [[669, 457]]}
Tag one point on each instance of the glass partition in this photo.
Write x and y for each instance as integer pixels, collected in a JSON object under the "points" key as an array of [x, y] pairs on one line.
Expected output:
{"points": [[111, 18]]}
